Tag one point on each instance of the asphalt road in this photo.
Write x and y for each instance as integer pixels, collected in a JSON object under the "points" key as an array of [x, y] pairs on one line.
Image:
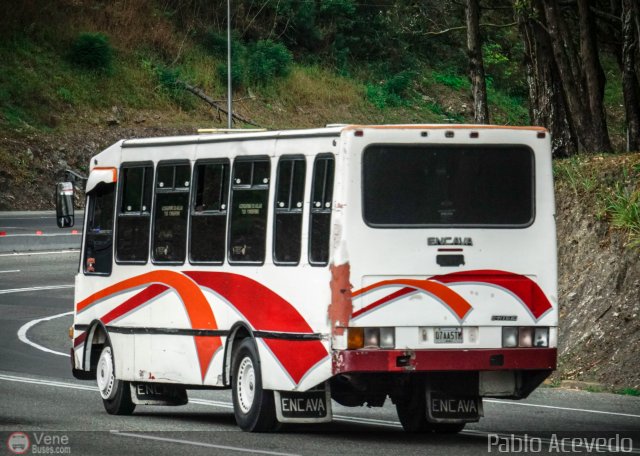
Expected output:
{"points": [[39, 397], [33, 231]]}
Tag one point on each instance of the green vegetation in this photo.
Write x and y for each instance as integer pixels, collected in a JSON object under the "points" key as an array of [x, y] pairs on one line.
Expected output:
{"points": [[92, 51], [628, 392], [624, 211], [64, 64], [613, 192]]}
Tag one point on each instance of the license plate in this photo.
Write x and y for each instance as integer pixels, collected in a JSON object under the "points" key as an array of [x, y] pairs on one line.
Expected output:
{"points": [[158, 394], [444, 407], [312, 404], [448, 335]]}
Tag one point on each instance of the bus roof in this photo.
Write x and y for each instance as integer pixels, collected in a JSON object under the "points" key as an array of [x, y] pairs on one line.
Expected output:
{"points": [[329, 131]]}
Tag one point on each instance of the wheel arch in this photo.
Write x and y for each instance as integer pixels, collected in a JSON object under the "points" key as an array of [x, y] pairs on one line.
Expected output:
{"points": [[97, 336], [237, 333]]}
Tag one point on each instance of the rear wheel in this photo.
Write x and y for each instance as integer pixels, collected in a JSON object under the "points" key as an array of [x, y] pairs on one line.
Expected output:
{"points": [[253, 407], [412, 412], [116, 394]]}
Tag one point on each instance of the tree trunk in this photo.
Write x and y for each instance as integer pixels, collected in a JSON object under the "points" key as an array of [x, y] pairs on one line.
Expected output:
{"points": [[546, 102], [575, 84], [476, 63], [594, 77], [630, 86]]}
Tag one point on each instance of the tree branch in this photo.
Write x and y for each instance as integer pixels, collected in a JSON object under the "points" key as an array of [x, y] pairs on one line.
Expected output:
{"points": [[200, 94], [464, 27], [606, 16]]}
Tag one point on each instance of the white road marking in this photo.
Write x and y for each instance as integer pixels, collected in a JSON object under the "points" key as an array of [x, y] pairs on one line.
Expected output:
{"points": [[228, 405], [23, 290], [35, 217], [342, 417], [36, 381], [10, 270], [54, 252], [22, 333], [569, 409], [200, 444], [40, 235]]}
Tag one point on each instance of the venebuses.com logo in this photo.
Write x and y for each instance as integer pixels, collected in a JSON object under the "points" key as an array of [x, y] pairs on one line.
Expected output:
{"points": [[39, 443], [18, 443]]}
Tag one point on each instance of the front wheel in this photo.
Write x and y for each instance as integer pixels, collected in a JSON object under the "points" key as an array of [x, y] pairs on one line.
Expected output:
{"points": [[253, 407], [116, 394]]}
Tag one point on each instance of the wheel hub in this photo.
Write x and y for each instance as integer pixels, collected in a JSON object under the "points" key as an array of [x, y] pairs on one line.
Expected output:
{"points": [[245, 384], [105, 375]]}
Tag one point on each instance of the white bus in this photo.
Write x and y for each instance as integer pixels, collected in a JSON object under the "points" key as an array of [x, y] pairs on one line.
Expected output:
{"points": [[415, 263]]}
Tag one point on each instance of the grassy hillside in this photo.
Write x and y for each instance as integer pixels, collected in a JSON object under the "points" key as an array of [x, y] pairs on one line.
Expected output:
{"points": [[61, 103], [44, 88]]}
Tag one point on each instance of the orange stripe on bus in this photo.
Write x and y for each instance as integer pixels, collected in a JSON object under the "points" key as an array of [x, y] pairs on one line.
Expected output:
{"points": [[450, 298], [442, 127], [197, 306]]}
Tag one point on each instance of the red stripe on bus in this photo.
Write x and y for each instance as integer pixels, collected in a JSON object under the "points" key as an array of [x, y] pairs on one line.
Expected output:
{"points": [[80, 339], [528, 291], [133, 302], [386, 299], [198, 308], [458, 305], [265, 310], [130, 304]]}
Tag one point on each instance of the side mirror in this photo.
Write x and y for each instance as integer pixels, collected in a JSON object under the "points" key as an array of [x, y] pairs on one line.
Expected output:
{"points": [[64, 204]]}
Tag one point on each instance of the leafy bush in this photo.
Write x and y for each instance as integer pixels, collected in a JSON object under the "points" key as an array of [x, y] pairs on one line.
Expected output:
{"points": [[451, 80], [268, 60], [376, 95], [399, 83], [92, 51], [216, 43], [391, 92], [65, 95], [237, 73], [624, 209], [168, 78]]}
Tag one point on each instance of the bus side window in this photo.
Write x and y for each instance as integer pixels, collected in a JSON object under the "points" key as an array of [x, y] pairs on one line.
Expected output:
{"points": [[170, 215], [249, 200], [287, 231], [209, 212], [320, 217], [134, 214], [99, 236]]}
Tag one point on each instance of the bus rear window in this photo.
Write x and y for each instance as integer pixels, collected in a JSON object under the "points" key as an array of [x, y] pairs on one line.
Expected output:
{"points": [[435, 185]]}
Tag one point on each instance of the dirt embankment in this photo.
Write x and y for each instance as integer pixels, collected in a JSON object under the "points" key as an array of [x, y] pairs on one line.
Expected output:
{"points": [[31, 163], [599, 275]]}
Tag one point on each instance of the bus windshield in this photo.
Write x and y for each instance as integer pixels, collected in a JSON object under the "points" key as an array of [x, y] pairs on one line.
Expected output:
{"points": [[436, 185]]}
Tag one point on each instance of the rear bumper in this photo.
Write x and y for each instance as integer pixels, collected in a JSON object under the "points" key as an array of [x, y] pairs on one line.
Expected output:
{"points": [[344, 361]]}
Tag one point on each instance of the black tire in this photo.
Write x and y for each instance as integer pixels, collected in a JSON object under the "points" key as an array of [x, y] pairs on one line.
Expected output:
{"points": [[116, 394], [412, 411], [253, 407]]}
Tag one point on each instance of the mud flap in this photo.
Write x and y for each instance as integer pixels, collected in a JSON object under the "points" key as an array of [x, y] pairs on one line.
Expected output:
{"points": [[448, 408], [312, 406], [158, 394]]}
